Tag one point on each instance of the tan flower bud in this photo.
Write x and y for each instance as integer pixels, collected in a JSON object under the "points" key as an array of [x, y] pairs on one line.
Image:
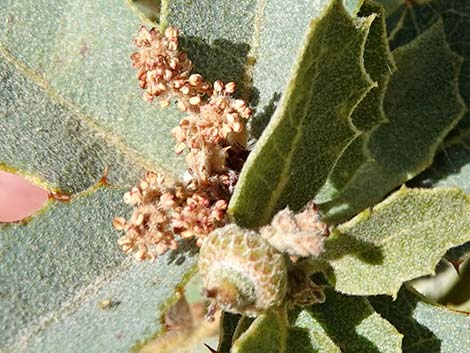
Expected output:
{"points": [[230, 87], [171, 33], [195, 100], [195, 79], [185, 90], [180, 147], [181, 106], [119, 223], [164, 103], [218, 86]]}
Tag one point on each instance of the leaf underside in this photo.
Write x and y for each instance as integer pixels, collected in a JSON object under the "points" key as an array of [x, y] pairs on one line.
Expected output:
{"points": [[70, 108], [83, 67], [46, 140]]}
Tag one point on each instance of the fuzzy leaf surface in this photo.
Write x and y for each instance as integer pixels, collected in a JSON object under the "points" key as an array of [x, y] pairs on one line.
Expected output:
{"points": [[342, 324], [398, 240], [47, 140], [451, 166], [407, 22], [69, 108], [418, 122], [253, 50], [57, 269], [267, 334], [89, 113], [311, 125], [426, 327], [369, 113]]}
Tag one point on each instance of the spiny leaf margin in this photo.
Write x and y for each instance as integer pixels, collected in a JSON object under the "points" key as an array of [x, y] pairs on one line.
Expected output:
{"points": [[298, 130]]}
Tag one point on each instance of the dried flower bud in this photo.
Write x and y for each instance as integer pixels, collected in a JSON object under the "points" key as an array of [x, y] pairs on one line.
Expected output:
{"points": [[164, 103], [161, 66], [195, 80], [299, 235], [218, 86], [119, 223], [195, 100], [164, 211], [240, 272], [171, 33], [212, 130], [230, 87]]}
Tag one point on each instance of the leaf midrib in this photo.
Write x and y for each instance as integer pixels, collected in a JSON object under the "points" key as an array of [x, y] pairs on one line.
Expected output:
{"points": [[252, 56]]}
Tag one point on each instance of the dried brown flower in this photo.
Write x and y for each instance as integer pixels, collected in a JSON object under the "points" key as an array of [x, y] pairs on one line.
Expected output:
{"points": [[164, 71], [215, 120], [212, 130], [300, 235], [208, 134], [164, 211]]}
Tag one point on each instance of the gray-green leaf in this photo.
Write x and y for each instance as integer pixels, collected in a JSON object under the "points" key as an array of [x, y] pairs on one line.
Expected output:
{"points": [[44, 138], [70, 107], [426, 327], [369, 113], [400, 239], [418, 122], [59, 268], [88, 113], [342, 324], [451, 166], [267, 334], [311, 126]]}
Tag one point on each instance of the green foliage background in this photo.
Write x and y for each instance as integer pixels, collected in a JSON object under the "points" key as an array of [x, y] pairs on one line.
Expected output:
{"points": [[351, 101]]}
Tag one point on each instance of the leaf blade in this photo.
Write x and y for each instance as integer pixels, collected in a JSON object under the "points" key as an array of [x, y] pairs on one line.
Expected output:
{"points": [[43, 137], [426, 327], [49, 314], [267, 334], [405, 146], [400, 239], [369, 113], [86, 64], [346, 324], [293, 132]]}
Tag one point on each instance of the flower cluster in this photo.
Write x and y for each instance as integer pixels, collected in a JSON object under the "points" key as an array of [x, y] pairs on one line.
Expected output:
{"points": [[161, 211], [215, 120], [212, 130], [164, 72], [298, 234], [209, 134]]}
